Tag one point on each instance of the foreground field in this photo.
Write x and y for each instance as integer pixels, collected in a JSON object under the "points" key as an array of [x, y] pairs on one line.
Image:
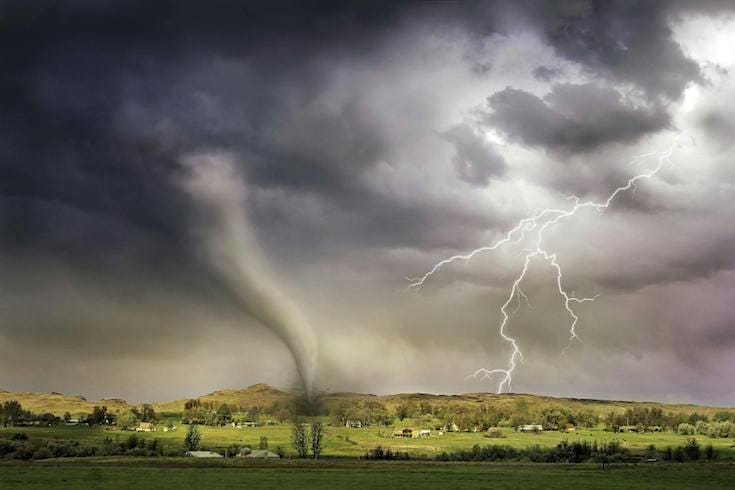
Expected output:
{"points": [[183, 473], [347, 442]]}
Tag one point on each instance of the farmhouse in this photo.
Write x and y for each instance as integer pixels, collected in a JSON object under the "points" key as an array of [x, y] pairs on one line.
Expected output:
{"points": [[203, 454], [424, 433], [145, 427], [530, 428], [355, 424]]}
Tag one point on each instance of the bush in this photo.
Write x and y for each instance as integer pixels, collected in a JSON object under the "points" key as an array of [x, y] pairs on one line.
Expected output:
{"points": [[720, 429], [494, 433], [386, 454], [691, 450], [685, 429]]}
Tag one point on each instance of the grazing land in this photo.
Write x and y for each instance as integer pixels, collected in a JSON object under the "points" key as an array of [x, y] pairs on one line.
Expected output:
{"points": [[91, 473], [272, 409], [354, 443]]}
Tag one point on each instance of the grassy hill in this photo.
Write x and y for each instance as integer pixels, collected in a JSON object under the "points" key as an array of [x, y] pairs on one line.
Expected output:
{"points": [[57, 403], [260, 394], [263, 395]]}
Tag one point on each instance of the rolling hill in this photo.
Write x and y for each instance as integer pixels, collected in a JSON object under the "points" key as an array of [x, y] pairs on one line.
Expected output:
{"points": [[263, 395]]}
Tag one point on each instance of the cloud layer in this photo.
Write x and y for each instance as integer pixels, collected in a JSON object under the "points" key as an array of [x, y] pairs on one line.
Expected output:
{"points": [[375, 140]]}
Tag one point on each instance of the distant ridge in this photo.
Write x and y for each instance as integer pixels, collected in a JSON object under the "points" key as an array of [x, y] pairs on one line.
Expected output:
{"points": [[263, 395]]}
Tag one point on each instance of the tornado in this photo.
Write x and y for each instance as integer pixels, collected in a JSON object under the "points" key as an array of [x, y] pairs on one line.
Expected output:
{"points": [[222, 229]]}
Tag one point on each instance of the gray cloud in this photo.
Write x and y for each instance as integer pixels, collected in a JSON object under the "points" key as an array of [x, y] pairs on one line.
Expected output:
{"points": [[626, 41], [475, 160], [572, 118], [546, 74], [357, 128]]}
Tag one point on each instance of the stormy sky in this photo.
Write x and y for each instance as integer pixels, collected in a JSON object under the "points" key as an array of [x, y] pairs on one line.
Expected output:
{"points": [[362, 143]]}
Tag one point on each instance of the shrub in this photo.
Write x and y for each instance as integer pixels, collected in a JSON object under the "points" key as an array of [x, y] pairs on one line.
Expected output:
{"points": [[494, 433], [691, 450], [685, 429]]}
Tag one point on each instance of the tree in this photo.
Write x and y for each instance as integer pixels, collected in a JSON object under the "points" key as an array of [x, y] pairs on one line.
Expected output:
{"points": [[224, 415], [404, 410], [317, 438], [99, 416], [11, 412], [148, 414], [724, 416], [298, 439], [192, 439], [67, 417], [126, 419], [263, 442]]}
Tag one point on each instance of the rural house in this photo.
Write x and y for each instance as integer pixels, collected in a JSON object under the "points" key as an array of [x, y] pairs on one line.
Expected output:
{"points": [[530, 428], [203, 454], [145, 427]]}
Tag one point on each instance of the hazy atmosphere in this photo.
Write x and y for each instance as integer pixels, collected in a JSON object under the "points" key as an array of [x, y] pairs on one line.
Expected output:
{"points": [[196, 196]]}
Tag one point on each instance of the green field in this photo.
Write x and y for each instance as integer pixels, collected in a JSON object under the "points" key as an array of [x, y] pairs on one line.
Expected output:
{"points": [[348, 442], [126, 473]]}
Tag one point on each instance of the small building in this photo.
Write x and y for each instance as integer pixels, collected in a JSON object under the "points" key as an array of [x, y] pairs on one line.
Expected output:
{"points": [[530, 428], [145, 427], [406, 433], [248, 423], [424, 433], [355, 424], [203, 454], [262, 454]]}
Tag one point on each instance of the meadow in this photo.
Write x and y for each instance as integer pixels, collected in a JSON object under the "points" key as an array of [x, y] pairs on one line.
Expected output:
{"points": [[111, 473], [354, 442]]}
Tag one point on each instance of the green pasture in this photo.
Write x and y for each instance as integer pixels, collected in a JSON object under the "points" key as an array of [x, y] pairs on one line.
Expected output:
{"points": [[351, 442], [111, 473]]}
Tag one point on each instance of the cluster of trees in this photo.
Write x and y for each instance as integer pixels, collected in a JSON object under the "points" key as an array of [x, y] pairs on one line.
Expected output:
{"points": [[564, 452], [13, 414], [712, 429], [645, 418], [486, 415], [206, 413], [370, 412], [19, 446], [304, 441]]}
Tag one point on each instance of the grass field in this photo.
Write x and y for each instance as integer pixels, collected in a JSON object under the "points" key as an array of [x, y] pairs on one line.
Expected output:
{"points": [[347, 442], [90, 473]]}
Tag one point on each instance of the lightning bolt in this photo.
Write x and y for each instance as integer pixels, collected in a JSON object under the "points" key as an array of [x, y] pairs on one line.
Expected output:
{"points": [[538, 223]]}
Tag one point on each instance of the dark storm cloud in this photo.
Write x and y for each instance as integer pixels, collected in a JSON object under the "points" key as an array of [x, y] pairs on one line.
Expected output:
{"points": [[546, 74], [626, 41], [100, 101], [572, 118], [475, 160]]}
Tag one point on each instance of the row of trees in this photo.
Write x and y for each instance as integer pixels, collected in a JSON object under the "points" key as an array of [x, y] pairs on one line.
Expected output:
{"points": [[12, 413], [644, 417], [198, 412], [302, 440], [712, 429]]}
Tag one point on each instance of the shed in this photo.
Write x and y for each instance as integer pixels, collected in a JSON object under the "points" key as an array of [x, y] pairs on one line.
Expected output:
{"points": [[203, 454], [262, 454]]}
